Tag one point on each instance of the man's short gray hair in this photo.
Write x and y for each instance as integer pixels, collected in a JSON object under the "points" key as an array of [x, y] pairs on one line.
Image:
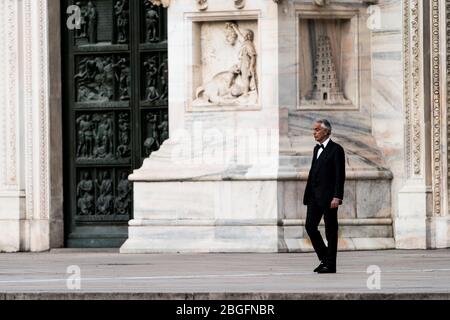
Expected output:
{"points": [[325, 124]]}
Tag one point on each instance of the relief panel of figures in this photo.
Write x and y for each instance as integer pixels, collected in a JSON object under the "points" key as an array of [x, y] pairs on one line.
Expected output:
{"points": [[103, 194]]}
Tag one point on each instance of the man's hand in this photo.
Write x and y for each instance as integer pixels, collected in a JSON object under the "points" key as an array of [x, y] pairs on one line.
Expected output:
{"points": [[335, 203]]}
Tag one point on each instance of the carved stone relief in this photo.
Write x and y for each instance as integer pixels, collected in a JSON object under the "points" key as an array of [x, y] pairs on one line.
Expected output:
{"points": [[237, 85], [239, 4], [326, 89], [202, 4], [321, 3], [328, 68]]}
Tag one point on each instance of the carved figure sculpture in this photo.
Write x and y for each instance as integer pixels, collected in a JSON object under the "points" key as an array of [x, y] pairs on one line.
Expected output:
{"points": [[105, 199], [152, 142], [163, 71], [202, 4], [82, 32], [220, 87], [122, 74], [92, 21], [85, 191], [123, 150], [164, 129], [152, 23], [85, 148], [123, 199], [121, 10], [152, 94], [151, 71], [247, 58]]}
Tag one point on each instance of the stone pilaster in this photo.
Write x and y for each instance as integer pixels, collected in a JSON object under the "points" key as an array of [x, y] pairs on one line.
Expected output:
{"points": [[421, 221], [27, 213], [12, 194]]}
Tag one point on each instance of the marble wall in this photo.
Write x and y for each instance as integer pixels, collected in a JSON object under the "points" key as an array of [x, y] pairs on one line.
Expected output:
{"points": [[262, 196], [242, 195], [387, 92], [353, 126], [223, 155]]}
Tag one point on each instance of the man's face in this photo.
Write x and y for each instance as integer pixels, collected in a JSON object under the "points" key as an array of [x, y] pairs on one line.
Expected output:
{"points": [[319, 133]]}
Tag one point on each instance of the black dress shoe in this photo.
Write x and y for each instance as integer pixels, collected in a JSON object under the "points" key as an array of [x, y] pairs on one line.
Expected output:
{"points": [[321, 265], [326, 269]]}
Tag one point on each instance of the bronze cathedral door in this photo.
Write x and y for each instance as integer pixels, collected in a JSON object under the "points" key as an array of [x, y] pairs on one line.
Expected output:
{"points": [[115, 94]]}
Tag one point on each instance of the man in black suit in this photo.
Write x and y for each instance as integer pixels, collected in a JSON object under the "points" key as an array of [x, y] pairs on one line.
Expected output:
{"points": [[323, 195]]}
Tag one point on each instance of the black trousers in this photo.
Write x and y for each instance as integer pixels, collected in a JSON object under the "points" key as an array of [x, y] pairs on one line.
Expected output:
{"points": [[314, 215]]}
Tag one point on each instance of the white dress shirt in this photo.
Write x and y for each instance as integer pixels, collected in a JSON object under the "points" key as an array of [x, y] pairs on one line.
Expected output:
{"points": [[324, 146]]}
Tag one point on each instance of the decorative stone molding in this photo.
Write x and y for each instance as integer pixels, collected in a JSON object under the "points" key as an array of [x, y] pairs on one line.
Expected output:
{"points": [[3, 15], [436, 108], [10, 98], [320, 3], [202, 4], [239, 4], [447, 50], [412, 86], [12, 103], [416, 63], [36, 108], [406, 84], [414, 102]]}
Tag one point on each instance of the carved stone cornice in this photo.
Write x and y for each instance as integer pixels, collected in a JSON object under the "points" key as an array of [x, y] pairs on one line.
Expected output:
{"points": [[239, 4]]}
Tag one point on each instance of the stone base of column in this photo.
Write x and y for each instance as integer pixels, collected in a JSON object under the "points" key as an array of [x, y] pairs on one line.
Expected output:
{"points": [[438, 232], [11, 224], [410, 225]]}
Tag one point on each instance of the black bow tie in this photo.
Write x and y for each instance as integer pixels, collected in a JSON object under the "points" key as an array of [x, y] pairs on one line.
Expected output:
{"points": [[320, 146]]}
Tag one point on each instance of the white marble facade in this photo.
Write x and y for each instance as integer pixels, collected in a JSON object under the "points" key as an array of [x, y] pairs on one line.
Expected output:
{"points": [[231, 176]]}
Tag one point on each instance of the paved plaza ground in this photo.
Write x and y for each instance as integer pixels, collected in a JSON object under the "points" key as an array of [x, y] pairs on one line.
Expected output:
{"points": [[106, 274]]}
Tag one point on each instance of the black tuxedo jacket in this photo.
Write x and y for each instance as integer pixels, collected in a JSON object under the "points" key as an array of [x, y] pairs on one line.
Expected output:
{"points": [[327, 176]]}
